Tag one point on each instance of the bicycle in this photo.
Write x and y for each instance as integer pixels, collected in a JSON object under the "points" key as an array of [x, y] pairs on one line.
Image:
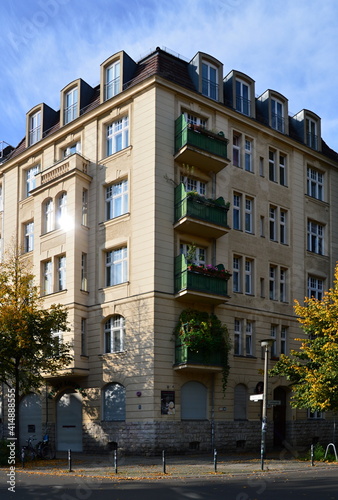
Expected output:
{"points": [[42, 449]]}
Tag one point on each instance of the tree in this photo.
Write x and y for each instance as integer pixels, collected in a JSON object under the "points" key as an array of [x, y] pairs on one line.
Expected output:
{"points": [[313, 370], [29, 347]]}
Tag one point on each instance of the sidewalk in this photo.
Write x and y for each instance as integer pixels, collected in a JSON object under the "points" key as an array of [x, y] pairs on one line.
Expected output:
{"points": [[131, 467]]}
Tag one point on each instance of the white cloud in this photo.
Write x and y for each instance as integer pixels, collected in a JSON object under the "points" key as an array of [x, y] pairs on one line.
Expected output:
{"points": [[285, 45]]}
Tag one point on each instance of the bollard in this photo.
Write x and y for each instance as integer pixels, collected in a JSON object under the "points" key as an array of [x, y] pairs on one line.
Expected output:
{"points": [[215, 460], [115, 461], [312, 456], [69, 460], [164, 462]]}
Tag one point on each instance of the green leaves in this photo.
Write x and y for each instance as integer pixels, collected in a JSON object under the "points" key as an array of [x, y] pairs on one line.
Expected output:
{"points": [[314, 368]]}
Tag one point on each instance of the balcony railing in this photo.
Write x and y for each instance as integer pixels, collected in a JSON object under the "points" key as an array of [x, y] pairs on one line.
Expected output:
{"points": [[188, 279], [184, 356], [191, 206], [200, 141], [71, 163]]}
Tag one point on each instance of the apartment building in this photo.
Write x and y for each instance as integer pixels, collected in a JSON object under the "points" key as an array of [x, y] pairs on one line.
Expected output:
{"points": [[108, 196]]}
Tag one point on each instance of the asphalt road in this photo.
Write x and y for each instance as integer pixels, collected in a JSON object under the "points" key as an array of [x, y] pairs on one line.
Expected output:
{"points": [[314, 484]]}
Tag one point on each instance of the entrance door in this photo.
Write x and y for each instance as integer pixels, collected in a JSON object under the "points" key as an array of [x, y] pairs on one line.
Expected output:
{"points": [[30, 418], [279, 417], [69, 422]]}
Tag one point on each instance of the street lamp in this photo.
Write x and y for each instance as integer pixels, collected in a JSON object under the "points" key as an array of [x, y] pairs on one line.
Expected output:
{"points": [[266, 343]]}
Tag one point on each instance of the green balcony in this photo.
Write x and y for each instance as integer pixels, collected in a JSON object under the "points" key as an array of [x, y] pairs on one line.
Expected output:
{"points": [[187, 359], [195, 214], [191, 284], [198, 147]]}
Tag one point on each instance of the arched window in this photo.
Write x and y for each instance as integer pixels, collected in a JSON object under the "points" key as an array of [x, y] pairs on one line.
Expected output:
{"points": [[194, 401], [61, 215], [114, 334], [240, 402], [114, 402]]}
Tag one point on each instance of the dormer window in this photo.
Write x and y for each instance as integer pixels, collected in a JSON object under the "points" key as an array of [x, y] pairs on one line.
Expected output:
{"points": [[209, 80], [35, 128], [277, 115], [112, 80], [311, 133], [242, 97], [71, 105]]}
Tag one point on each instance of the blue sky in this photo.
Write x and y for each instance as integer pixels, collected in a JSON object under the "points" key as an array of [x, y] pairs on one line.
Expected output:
{"points": [[286, 45]]}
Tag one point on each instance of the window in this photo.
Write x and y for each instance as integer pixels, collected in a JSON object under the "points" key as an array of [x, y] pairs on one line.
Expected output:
{"points": [[282, 170], [242, 97], [61, 216], [114, 403], [315, 287], [84, 280], [248, 338], [29, 236], [277, 115], [61, 263], [71, 108], [112, 80], [311, 133], [248, 215], [195, 120], [283, 226], [195, 255], [272, 282], [117, 199], [73, 148], [248, 276], [210, 80], [117, 136], [316, 415], [236, 150], [114, 334], [85, 207], [261, 166], [236, 222], [248, 156], [83, 337], [273, 335], [238, 337], [315, 184], [34, 128], [47, 277], [236, 274], [116, 266], [272, 166], [283, 339], [282, 285], [315, 237], [49, 215], [194, 401], [58, 339], [31, 179], [273, 223], [277, 167], [194, 185]]}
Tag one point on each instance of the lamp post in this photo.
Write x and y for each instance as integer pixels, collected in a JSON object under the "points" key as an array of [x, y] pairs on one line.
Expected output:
{"points": [[266, 343]]}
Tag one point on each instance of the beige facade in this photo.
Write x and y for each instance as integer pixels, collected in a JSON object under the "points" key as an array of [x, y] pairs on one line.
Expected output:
{"points": [[92, 198]]}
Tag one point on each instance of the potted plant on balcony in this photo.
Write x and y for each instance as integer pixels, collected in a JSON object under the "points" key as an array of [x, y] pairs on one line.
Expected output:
{"points": [[205, 334]]}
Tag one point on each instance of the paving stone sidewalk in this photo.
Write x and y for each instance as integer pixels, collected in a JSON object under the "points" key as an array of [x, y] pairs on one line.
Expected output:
{"points": [[138, 467]]}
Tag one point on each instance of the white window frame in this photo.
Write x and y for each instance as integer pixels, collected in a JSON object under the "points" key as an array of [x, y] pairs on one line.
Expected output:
{"points": [[238, 326], [61, 215], [272, 166], [248, 215], [311, 133], [272, 223], [237, 212], [283, 224], [236, 274], [315, 184], [194, 185], [282, 170], [272, 282], [283, 275], [242, 97], [48, 209], [117, 135], [283, 339], [31, 174], [72, 149], [315, 287], [116, 266], [61, 270], [209, 80], [195, 120], [117, 199], [84, 272], [47, 277], [248, 162], [249, 338], [35, 128], [277, 115], [71, 105], [236, 150], [248, 276], [114, 334], [273, 335], [200, 254], [84, 215], [112, 80], [315, 237], [29, 236]]}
